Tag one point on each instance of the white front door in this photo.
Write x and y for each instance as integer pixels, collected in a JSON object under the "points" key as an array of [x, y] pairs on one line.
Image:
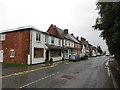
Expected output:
{"points": [[1, 55]]}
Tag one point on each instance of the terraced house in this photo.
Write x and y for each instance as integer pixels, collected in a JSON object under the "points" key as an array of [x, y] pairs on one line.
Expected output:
{"points": [[28, 45], [70, 44]]}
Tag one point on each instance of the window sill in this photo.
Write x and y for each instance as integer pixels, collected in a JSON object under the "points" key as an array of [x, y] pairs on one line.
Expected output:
{"points": [[38, 41], [38, 57], [52, 44], [11, 56], [46, 42], [55, 56]]}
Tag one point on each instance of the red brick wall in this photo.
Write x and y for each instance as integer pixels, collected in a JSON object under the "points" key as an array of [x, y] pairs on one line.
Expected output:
{"points": [[19, 41], [79, 49], [90, 50], [52, 30]]}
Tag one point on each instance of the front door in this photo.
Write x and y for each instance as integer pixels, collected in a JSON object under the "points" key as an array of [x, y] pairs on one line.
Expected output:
{"points": [[47, 55], [1, 55]]}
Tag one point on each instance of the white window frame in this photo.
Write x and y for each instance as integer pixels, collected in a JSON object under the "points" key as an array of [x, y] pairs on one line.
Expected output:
{"points": [[69, 43], [46, 38], [52, 39], [65, 42], [13, 53], [2, 38], [59, 42], [38, 37]]}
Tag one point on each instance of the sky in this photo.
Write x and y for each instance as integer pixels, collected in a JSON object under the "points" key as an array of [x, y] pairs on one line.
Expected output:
{"points": [[78, 16]]}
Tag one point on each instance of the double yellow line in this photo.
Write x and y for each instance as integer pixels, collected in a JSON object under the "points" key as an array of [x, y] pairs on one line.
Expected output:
{"points": [[24, 72]]}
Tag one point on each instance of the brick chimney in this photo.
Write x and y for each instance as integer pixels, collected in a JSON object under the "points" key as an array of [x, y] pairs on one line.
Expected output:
{"points": [[77, 37], [72, 34], [83, 39], [66, 31], [54, 26]]}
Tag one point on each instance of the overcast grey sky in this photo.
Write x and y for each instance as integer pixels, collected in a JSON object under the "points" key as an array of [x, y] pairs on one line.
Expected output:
{"points": [[76, 15]]}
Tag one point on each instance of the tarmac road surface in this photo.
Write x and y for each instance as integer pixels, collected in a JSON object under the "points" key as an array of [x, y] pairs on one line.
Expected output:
{"points": [[89, 73]]}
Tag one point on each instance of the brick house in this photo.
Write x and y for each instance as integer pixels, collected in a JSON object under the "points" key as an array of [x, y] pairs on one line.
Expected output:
{"points": [[79, 46], [28, 45], [85, 46], [90, 49], [70, 43]]}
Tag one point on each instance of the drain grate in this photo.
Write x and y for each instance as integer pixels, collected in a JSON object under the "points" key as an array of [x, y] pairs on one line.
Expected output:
{"points": [[67, 77]]}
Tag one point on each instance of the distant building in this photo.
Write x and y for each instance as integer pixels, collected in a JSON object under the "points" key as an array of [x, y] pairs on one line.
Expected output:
{"points": [[90, 49], [85, 46]]}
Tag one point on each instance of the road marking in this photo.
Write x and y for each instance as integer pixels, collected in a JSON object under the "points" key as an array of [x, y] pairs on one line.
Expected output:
{"points": [[24, 72], [37, 80], [68, 62]]}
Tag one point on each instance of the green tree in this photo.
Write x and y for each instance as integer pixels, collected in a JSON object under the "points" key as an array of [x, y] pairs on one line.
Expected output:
{"points": [[109, 23], [99, 49]]}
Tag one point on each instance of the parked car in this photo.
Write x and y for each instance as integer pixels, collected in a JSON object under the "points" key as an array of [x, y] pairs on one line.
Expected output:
{"points": [[107, 54], [72, 58], [98, 54], [86, 56], [94, 55], [78, 57], [82, 55]]}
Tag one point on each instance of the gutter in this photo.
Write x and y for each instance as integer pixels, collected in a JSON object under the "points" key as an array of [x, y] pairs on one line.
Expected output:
{"points": [[110, 74]]}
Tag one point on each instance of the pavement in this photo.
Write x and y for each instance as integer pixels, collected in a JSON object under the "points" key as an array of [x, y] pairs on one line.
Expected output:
{"points": [[8, 69], [83, 74], [113, 72]]}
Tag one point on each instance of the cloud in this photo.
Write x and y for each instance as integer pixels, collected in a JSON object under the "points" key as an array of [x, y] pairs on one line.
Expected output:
{"points": [[76, 15]]}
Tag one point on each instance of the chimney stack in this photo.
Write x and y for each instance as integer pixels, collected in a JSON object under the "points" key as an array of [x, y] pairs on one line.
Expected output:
{"points": [[77, 37], [83, 39], [54, 26], [66, 31], [72, 34]]}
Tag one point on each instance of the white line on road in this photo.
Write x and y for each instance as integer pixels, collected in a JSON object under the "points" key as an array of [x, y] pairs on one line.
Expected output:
{"points": [[37, 80]]}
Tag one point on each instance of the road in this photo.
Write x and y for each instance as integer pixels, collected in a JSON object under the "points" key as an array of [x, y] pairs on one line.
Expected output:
{"points": [[89, 73]]}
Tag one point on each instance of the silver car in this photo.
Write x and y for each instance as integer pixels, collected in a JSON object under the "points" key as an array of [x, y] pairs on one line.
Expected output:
{"points": [[72, 58]]}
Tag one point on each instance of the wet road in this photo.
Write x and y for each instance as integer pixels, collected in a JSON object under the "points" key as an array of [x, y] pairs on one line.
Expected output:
{"points": [[89, 73]]}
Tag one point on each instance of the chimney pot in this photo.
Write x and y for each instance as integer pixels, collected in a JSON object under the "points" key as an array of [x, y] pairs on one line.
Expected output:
{"points": [[66, 31]]}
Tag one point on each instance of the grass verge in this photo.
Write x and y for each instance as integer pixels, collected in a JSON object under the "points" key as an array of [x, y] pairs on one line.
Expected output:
{"points": [[13, 64]]}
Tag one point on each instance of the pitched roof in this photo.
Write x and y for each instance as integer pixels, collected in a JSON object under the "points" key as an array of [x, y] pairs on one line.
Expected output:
{"points": [[67, 36], [20, 29]]}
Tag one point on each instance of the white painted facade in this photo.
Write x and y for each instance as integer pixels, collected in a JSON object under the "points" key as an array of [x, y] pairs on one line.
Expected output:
{"points": [[1, 55], [70, 44], [56, 43], [94, 53], [83, 49], [36, 44], [41, 44]]}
